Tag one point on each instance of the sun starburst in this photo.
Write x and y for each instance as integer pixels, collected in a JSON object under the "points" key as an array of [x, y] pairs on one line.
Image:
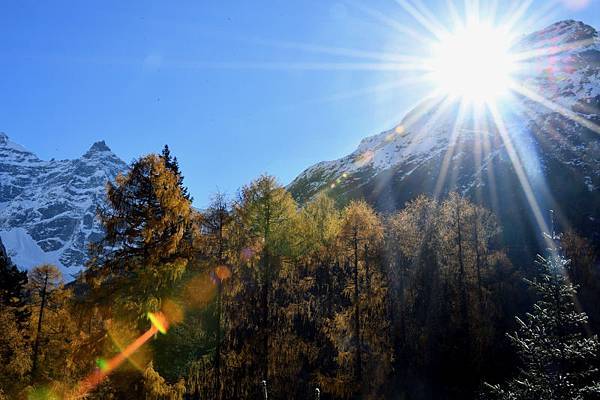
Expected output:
{"points": [[473, 62]]}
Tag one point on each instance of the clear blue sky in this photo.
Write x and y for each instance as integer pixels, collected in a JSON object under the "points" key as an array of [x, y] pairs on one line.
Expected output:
{"points": [[236, 88]]}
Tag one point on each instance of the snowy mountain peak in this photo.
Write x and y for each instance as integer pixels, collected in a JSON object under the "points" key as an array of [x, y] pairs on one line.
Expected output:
{"points": [[48, 208], [11, 152], [562, 65], [99, 147], [562, 32]]}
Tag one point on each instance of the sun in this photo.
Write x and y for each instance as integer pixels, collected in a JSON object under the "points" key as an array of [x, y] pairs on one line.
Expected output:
{"points": [[473, 63]]}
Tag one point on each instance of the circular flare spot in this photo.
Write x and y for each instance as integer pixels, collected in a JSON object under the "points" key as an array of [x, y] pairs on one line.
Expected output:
{"points": [[172, 311], [223, 272]]}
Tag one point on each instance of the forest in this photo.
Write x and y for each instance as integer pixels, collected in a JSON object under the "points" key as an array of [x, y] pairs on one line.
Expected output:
{"points": [[259, 296]]}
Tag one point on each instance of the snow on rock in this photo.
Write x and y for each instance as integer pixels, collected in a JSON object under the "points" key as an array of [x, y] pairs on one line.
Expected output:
{"points": [[48, 208], [563, 66]]}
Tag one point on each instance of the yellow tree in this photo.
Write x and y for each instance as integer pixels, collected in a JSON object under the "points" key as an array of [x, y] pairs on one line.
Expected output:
{"points": [[216, 246], [15, 354], [264, 219], [360, 329], [305, 298], [410, 238], [146, 247], [439, 257], [148, 243], [45, 282]]}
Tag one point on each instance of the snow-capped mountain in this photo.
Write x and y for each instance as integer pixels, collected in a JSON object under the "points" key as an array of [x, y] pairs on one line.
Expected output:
{"points": [[546, 146], [48, 208]]}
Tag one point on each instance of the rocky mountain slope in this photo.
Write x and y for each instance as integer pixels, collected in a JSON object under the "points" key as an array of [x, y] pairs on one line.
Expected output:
{"points": [[47, 208], [547, 148]]}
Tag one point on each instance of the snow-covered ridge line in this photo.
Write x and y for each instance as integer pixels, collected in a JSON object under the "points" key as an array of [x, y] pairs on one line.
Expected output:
{"points": [[564, 68], [48, 208]]}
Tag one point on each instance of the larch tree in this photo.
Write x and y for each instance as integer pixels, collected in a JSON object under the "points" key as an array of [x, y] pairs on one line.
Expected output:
{"points": [[44, 282], [267, 211], [305, 297], [360, 329], [147, 220], [263, 220], [438, 257], [216, 231]]}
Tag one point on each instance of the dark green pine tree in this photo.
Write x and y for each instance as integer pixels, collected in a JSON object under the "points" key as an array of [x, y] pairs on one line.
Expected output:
{"points": [[173, 165], [12, 286], [559, 361]]}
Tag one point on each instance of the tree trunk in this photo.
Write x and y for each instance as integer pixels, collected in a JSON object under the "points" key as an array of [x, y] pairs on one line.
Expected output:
{"points": [[358, 369], [218, 346], [478, 259], [265, 294], [36, 345], [461, 262], [219, 308]]}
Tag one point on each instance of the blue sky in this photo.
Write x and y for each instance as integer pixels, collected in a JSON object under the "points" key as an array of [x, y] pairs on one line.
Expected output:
{"points": [[236, 88]]}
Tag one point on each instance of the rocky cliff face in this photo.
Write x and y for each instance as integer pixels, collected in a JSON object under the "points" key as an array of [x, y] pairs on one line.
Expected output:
{"points": [[48, 208], [546, 151]]}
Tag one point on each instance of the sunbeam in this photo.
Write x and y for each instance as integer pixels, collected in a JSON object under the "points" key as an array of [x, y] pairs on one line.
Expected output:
{"points": [[556, 107], [521, 175]]}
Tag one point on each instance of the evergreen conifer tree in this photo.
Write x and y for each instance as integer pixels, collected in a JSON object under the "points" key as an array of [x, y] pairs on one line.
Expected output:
{"points": [[558, 361], [13, 289], [173, 165]]}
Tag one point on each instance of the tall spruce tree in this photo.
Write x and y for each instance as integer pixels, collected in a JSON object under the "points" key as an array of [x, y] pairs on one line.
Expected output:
{"points": [[12, 287], [559, 361], [15, 351], [173, 165]]}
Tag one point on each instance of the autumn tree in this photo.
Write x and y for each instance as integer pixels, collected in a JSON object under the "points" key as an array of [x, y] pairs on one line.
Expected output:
{"points": [[50, 316], [360, 330], [133, 270], [146, 220], [307, 297], [15, 354], [260, 243], [266, 210], [217, 243], [448, 283]]}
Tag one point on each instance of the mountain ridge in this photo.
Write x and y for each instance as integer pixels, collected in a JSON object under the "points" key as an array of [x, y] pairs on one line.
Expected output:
{"points": [[48, 208], [554, 132]]}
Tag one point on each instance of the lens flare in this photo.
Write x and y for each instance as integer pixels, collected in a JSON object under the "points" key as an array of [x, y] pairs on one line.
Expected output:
{"points": [[159, 322], [102, 364], [121, 334], [172, 311], [199, 291], [105, 367], [223, 272]]}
